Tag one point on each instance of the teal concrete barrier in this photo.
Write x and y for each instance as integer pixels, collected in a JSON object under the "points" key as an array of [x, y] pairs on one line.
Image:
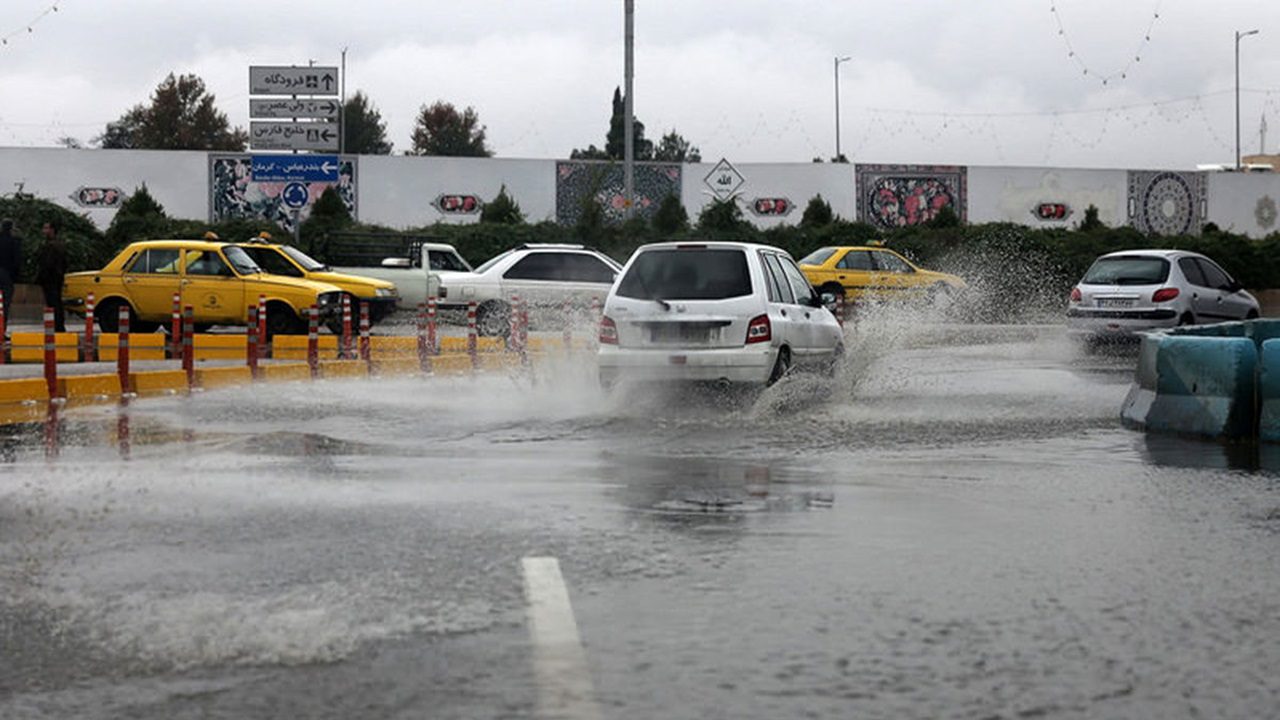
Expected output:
{"points": [[1201, 384], [1269, 392]]}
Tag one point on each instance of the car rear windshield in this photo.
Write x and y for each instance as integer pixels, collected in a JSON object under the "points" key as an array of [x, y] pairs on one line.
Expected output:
{"points": [[687, 274], [817, 257], [1127, 271]]}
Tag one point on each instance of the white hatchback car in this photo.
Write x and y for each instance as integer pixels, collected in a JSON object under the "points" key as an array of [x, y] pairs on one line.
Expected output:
{"points": [[545, 276], [715, 312], [1134, 290]]}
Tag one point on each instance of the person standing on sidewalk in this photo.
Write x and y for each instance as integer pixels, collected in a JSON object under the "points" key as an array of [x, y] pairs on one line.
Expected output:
{"points": [[10, 263], [51, 268]]}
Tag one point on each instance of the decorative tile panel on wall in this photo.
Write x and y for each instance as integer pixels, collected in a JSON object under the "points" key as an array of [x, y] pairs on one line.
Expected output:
{"points": [[578, 179], [234, 194], [892, 196], [1166, 202]]}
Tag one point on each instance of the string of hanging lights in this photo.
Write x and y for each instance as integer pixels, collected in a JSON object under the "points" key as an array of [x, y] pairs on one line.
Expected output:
{"points": [[29, 27], [1074, 55]]}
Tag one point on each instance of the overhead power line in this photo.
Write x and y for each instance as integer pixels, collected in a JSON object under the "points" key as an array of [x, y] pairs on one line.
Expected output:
{"points": [[29, 27]]}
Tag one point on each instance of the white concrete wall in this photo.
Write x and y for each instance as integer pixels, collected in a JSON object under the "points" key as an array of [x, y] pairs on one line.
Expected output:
{"points": [[178, 180], [1008, 194], [398, 191], [798, 182], [1242, 202]]}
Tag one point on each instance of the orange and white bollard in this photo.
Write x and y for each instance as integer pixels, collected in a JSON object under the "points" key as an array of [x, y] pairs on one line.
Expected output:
{"points": [[262, 326], [347, 350], [366, 351], [50, 354], [175, 328], [424, 358], [840, 309], [313, 341], [472, 345], [122, 354], [513, 325], [433, 345], [251, 341], [90, 344], [188, 345], [522, 345]]}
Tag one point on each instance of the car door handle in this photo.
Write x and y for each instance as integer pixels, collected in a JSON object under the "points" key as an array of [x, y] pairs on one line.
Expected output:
{"points": [[130, 281], [783, 312], [806, 316], [841, 277]]}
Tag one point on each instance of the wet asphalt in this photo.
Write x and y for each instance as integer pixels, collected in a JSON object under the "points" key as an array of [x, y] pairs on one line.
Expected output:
{"points": [[956, 526]]}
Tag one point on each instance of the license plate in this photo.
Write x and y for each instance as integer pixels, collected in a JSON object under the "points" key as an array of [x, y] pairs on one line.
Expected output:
{"points": [[1115, 302], [679, 333]]}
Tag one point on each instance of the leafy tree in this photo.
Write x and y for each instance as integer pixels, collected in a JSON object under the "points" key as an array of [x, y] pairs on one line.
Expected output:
{"points": [[1091, 223], [817, 213], [70, 142], [946, 217], [615, 141], [671, 217], [180, 116], [85, 248], [723, 217], [674, 148], [590, 227], [503, 209], [328, 214], [140, 217], [441, 130], [363, 129]]}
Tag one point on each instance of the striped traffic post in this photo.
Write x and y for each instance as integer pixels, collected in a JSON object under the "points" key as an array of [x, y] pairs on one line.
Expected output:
{"points": [[472, 350], [251, 341], [346, 351], [366, 352], [4, 333], [840, 308], [50, 354], [51, 432], [513, 325], [433, 346], [313, 340], [188, 345], [262, 326], [90, 350], [597, 316], [523, 346], [424, 360], [122, 353], [175, 328]]}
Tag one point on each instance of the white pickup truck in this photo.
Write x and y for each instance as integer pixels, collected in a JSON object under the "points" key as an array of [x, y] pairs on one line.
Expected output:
{"points": [[441, 260]]}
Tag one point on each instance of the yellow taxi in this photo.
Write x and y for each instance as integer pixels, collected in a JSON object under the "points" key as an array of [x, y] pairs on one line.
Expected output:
{"points": [[380, 295], [873, 272], [218, 280]]}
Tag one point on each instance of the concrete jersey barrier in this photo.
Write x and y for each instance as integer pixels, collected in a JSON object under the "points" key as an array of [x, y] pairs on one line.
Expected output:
{"points": [[1195, 385]]}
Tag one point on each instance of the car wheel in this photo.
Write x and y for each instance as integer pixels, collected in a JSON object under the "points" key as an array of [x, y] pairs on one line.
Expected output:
{"points": [[1252, 315], [1186, 319], [108, 315], [493, 319], [781, 366], [281, 320]]}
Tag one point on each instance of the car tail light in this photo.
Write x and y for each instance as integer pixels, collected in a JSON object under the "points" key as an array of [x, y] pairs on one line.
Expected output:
{"points": [[608, 331], [1075, 295], [759, 330], [1164, 295]]}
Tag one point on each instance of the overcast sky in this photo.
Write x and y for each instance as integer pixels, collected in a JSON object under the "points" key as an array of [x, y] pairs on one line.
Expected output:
{"points": [[746, 80]]}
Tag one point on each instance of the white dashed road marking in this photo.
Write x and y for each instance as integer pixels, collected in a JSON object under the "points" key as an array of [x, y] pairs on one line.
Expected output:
{"points": [[564, 682]]}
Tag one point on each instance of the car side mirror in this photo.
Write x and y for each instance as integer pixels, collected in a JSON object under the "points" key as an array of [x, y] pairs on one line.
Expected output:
{"points": [[818, 301], [828, 300], [395, 262]]}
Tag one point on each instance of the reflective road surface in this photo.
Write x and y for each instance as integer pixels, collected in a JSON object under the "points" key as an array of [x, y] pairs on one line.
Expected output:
{"points": [[957, 526]]}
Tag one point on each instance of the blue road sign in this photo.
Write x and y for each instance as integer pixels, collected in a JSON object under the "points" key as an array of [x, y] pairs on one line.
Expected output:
{"points": [[295, 195], [294, 168]]}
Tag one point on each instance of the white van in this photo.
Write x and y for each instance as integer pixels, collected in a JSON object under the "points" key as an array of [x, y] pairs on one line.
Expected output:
{"points": [[715, 312]]}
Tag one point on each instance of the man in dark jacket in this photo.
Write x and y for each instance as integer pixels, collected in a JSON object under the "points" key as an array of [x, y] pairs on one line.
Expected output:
{"points": [[51, 267], [10, 263]]}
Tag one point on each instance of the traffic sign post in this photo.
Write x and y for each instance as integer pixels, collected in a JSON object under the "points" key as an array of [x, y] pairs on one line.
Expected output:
{"points": [[322, 136], [290, 108], [292, 80], [294, 168]]}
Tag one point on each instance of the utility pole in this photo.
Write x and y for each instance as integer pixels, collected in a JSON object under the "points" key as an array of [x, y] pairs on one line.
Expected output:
{"points": [[628, 142], [1238, 36], [1262, 135], [342, 105], [838, 60]]}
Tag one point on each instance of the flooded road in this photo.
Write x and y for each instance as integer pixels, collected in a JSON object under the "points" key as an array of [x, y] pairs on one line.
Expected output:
{"points": [[957, 526]]}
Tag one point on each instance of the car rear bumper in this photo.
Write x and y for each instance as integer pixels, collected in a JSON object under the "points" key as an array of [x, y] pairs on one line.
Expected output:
{"points": [[1108, 323], [736, 364]]}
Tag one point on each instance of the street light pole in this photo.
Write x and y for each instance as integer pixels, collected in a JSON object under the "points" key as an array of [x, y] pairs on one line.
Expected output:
{"points": [[1238, 36], [838, 60], [628, 141], [342, 106]]}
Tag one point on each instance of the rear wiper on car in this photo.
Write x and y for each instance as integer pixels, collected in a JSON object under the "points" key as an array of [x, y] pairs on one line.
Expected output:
{"points": [[645, 288]]}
